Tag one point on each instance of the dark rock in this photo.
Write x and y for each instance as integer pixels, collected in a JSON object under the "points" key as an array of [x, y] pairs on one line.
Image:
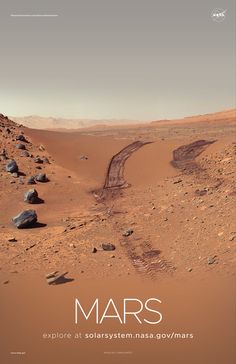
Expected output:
{"points": [[20, 146], [177, 181], [55, 278], [31, 196], [12, 239], [94, 250], [38, 160], [38, 167], [201, 192], [46, 160], [108, 246], [21, 137], [25, 219], [128, 232], [31, 181], [41, 177], [12, 166]]}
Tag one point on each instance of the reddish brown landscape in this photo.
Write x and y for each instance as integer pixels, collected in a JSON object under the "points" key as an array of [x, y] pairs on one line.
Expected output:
{"points": [[171, 186]]}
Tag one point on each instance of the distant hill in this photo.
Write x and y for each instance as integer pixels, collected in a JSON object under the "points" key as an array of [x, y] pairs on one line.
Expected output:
{"points": [[225, 115], [39, 122]]}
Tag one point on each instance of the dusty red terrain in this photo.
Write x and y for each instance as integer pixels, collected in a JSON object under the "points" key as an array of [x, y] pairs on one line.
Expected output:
{"points": [[163, 195], [176, 195]]}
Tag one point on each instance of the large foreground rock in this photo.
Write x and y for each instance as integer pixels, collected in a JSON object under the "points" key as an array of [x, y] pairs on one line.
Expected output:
{"points": [[12, 166], [25, 219]]}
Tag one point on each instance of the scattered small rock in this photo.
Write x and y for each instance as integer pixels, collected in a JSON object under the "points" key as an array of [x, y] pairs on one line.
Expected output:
{"points": [[201, 192], [128, 232], [83, 157], [21, 137], [25, 153], [31, 181], [177, 181], [232, 237], [58, 278], [211, 260], [38, 160], [108, 246], [46, 160], [20, 146], [41, 177], [30, 247], [52, 274], [12, 239]]}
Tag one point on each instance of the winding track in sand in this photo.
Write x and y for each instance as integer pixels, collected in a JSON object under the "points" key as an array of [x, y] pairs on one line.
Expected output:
{"points": [[115, 171], [184, 156], [114, 180]]}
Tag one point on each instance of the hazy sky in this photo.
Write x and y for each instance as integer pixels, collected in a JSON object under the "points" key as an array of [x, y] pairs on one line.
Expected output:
{"points": [[134, 59]]}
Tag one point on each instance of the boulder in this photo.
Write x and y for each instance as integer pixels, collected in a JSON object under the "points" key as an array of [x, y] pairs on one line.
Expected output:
{"points": [[31, 196], [25, 219], [41, 177], [21, 137], [12, 166], [38, 160], [20, 146], [31, 181]]}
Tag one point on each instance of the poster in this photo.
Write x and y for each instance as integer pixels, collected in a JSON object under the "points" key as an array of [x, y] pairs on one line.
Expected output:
{"points": [[117, 182]]}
